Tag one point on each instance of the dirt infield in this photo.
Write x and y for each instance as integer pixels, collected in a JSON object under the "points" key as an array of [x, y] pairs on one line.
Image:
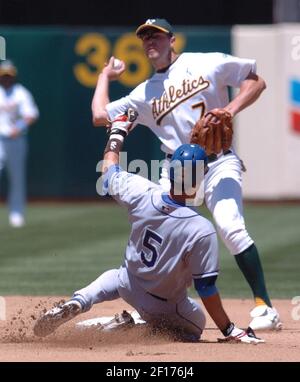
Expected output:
{"points": [[17, 342]]}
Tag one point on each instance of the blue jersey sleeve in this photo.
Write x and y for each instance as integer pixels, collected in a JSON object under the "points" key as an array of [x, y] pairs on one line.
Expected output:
{"points": [[206, 286]]}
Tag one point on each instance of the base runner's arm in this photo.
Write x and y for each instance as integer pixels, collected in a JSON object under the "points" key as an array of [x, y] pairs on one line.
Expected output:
{"points": [[211, 300], [127, 189], [214, 307], [120, 128], [101, 95]]}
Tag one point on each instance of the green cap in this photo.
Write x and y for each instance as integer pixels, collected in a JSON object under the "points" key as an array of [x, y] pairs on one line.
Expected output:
{"points": [[161, 25]]}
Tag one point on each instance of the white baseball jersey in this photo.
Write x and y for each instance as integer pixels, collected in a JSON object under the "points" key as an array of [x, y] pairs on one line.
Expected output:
{"points": [[170, 103], [15, 103], [169, 244]]}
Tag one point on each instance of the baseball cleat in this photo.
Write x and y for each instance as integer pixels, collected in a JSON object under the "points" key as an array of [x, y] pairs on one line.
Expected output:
{"points": [[265, 318], [117, 321], [55, 317], [16, 220]]}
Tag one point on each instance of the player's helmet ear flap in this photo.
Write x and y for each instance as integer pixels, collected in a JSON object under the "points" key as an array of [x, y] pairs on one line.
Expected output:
{"points": [[187, 156]]}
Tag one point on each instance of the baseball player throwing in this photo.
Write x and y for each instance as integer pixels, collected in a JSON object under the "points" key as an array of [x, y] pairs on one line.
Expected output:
{"points": [[170, 246], [183, 89]]}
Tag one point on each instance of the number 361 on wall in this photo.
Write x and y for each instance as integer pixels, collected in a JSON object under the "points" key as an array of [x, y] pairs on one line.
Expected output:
{"points": [[96, 48]]}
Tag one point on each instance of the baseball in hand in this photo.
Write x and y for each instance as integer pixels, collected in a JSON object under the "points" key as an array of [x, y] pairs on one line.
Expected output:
{"points": [[117, 64]]}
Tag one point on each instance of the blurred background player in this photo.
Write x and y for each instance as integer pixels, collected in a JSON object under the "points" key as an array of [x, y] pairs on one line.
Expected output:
{"points": [[170, 246], [183, 88], [17, 112]]}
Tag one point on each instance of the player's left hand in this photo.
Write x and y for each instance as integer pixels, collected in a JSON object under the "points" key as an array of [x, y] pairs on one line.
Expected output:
{"points": [[211, 118], [214, 131], [238, 335]]}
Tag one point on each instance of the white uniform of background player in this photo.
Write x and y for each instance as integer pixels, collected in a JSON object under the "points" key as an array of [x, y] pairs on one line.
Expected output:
{"points": [[183, 88], [17, 111]]}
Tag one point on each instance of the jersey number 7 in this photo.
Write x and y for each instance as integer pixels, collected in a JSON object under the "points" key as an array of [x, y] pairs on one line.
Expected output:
{"points": [[200, 105], [151, 241]]}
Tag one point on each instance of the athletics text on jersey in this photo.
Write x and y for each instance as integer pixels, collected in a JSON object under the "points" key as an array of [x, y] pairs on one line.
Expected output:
{"points": [[170, 103]]}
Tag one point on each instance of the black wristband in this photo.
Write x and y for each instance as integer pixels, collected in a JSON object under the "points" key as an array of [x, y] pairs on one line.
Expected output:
{"points": [[226, 332], [118, 131], [113, 145]]}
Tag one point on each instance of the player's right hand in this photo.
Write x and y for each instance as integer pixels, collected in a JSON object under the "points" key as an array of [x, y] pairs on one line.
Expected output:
{"points": [[111, 72], [238, 335]]}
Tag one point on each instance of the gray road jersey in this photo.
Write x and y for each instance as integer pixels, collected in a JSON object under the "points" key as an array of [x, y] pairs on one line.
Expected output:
{"points": [[169, 244]]}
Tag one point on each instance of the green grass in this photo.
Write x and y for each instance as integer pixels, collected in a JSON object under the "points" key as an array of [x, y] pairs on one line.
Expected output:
{"points": [[65, 246]]}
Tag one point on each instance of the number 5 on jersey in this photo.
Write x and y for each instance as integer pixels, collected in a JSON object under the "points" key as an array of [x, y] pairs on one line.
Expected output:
{"points": [[152, 241]]}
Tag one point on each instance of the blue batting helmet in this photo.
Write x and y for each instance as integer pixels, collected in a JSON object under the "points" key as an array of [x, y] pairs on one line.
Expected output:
{"points": [[188, 152]]}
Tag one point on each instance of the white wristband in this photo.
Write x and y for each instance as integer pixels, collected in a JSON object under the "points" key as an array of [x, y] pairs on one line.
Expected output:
{"points": [[119, 137]]}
